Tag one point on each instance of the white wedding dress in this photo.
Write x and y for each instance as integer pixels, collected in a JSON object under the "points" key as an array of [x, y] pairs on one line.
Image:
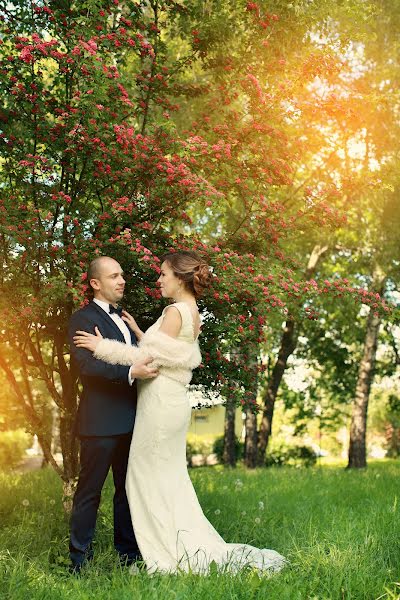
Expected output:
{"points": [[170, 527]]}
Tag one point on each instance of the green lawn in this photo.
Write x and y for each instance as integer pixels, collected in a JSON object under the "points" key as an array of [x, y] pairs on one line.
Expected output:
{"points": [[340, 530]]}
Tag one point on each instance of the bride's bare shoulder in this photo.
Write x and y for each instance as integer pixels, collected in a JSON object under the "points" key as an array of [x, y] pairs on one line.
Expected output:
{"points": [[172, 321]]}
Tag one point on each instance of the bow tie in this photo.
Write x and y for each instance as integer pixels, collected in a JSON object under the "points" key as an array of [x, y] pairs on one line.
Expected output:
{"points": [[117, 310]]}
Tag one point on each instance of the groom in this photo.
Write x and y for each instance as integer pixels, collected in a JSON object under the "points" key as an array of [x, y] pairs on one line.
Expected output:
{"points": [[106, 416]]}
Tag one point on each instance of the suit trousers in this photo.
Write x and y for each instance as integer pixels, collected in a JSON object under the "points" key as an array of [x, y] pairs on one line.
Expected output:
{"points": [[97, 455]]}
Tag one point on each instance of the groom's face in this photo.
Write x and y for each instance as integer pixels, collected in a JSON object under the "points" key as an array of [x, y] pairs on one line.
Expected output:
{"points": [[110, 283]]}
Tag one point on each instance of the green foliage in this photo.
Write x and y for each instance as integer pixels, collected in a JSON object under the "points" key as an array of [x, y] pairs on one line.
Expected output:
{"points": [[197, 444], [291, 456], [218, 448], [11, 415], [393, 426], [254, 170], [12, 447]]}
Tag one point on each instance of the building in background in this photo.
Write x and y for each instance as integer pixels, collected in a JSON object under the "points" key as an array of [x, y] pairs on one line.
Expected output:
{"points": [[208, 416]]}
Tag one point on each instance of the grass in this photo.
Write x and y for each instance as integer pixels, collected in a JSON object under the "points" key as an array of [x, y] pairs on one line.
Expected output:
{"points": [[339, 529]]}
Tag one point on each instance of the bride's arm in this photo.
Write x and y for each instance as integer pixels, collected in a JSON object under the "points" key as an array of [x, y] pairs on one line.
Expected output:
{"points": [[110, 351], [162, 346], [118, 353], [172, 322], [130, 321]]}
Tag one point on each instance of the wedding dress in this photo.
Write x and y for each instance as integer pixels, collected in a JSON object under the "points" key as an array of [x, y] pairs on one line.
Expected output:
{"points": [[171, 529]]}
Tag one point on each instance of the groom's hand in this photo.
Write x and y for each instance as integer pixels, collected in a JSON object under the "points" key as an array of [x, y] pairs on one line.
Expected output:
{"points": [[143, 369]]}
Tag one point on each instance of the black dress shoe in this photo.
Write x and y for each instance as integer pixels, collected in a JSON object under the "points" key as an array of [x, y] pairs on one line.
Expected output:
{"points": [[75, 569], [126, 560], [79, 559]]}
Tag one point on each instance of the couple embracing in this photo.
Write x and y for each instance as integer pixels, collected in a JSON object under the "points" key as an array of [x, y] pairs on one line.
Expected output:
{"points": [[133, 417]]}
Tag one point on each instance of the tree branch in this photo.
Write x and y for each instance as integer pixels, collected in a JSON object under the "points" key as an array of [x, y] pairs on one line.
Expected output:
{"points": [[32, 417]]}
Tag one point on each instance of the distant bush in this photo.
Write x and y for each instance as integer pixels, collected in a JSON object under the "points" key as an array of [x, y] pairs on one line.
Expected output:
{"points": [[198, 444], [392, 429], [12, 448], [291, 456], [392, 435], [218, 448]]}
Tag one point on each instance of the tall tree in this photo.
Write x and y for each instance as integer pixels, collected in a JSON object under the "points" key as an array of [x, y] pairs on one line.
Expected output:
{"points": [[85, 169]]}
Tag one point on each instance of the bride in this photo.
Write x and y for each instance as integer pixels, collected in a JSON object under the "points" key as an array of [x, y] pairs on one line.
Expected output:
{"points": [[171, 530]]}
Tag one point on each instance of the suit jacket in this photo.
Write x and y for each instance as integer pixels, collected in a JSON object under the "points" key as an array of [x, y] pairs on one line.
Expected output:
{"points": [[108, 404]]}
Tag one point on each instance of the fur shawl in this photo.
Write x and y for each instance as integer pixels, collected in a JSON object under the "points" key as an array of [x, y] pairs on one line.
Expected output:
{"points": [[174, 358]]}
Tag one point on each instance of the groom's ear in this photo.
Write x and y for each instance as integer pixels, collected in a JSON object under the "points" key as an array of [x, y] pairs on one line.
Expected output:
{"points": [[94, 284]]}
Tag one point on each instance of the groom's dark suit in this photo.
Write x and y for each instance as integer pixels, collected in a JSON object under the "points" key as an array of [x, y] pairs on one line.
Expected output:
{"points": [[105, 421]]}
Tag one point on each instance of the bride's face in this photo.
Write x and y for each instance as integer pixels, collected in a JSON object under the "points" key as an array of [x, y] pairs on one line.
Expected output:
{"points": [[170, 284]]}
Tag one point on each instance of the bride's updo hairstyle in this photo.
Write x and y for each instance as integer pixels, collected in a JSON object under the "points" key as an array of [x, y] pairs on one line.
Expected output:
{"points": [[190, 268]]}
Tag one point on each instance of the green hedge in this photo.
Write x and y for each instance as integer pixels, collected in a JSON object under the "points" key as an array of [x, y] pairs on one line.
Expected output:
{"points": [[218, 448], [291, 456], [12, 448]]}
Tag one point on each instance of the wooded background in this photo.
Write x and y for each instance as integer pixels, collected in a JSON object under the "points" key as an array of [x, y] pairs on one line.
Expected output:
{"points": [[264, 135]]}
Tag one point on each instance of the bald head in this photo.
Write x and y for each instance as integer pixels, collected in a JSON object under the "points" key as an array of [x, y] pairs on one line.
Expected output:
{"points": [[98, 264], [105, 276]]}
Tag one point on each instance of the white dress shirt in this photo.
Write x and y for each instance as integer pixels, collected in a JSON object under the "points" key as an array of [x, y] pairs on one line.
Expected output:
{"points": [[122, 326]]}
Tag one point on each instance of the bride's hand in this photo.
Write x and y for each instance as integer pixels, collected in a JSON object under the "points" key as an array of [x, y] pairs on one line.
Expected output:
{"points": [[130, 321], [83, 339]]}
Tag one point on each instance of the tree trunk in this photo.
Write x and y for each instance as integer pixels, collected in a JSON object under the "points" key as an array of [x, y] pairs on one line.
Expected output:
{"points": [[358, 427], [287, 347], [69, 487], [63, 396], [68, 440], [229, 454], [250, 444], [31, 416]]}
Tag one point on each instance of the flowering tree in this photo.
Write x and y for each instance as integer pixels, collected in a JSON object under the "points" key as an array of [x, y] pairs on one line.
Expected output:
{"points": [[283, 123], [85, 172], [94, 164]]}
